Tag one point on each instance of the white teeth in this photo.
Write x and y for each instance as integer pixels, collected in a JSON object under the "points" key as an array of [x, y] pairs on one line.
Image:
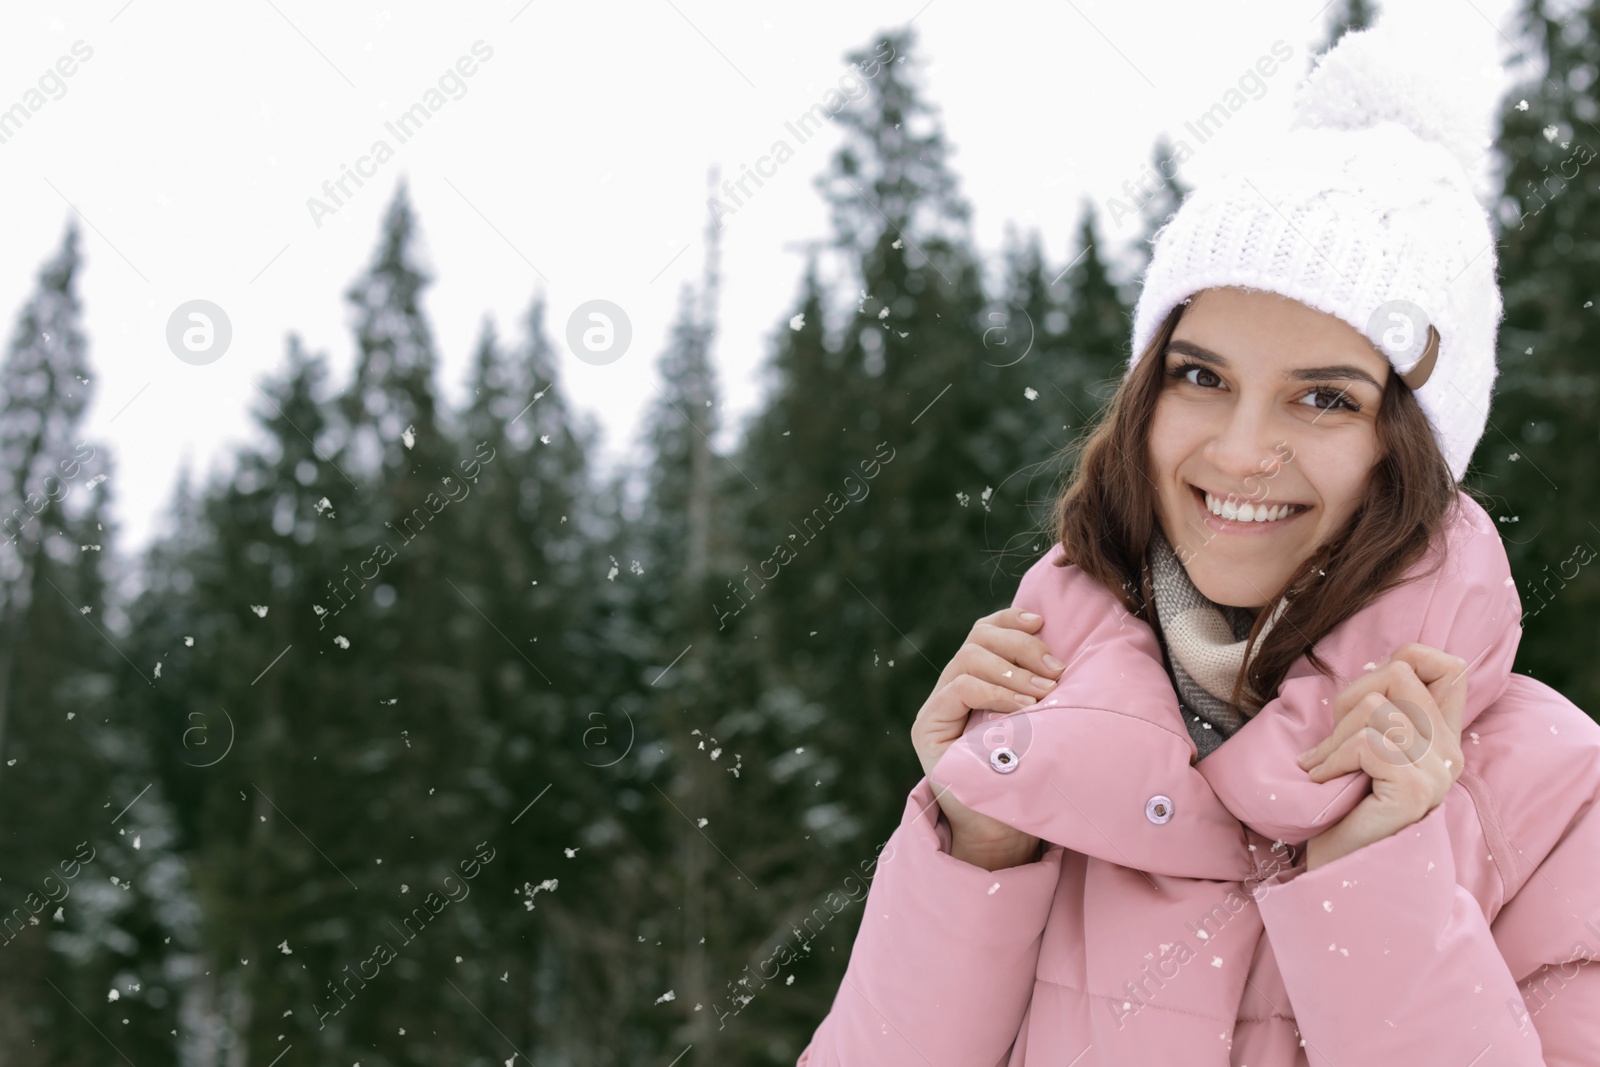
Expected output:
{"points": [[1248, 512]]}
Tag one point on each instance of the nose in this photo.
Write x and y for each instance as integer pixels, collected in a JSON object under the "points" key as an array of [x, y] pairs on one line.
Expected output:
{"points": [[1245, 445]]}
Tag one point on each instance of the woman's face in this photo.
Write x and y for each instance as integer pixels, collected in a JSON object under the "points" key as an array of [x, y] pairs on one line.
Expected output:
{"points": [[1264, 402]]}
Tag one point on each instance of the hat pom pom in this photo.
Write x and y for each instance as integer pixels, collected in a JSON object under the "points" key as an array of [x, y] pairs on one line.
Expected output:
{"points": [[1439, 77]]}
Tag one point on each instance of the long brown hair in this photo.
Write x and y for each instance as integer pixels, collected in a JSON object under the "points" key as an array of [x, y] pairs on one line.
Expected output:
{"points": [[1106, 515]]}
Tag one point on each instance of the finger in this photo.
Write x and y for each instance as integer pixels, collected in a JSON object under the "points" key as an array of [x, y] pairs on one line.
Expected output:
{"points": [[1374, 681], [1018, 647], [943, 718], [1443, 735], [1341, 760], [974, 694], [1353, 718], [1336, 754], [990, 666], [1399, 731], [1380, 682], [1444, 675], [1397, 788], [1380, 711], [1016, 618], [1387, 742]]}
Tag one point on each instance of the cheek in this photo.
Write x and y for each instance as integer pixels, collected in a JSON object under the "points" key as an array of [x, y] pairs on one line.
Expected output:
{"points": [[1338, 471], [1170, 442]]}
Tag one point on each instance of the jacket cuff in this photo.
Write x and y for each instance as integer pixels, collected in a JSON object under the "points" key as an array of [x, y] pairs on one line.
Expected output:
{"points": [[942, 970], [1386, 959]]}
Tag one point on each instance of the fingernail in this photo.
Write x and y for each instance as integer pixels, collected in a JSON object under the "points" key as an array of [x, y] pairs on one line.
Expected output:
{"points": [[1051, 663], [1042, 683], [1301, 759], [1023, 698], [1028, 616]]}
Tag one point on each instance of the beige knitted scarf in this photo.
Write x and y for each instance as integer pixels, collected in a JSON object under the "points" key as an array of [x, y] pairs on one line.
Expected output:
{"points": [[1205, 644]]}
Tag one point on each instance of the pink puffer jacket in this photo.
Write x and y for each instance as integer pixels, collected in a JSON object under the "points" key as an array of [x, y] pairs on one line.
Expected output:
{"points": [[1169, 923]]}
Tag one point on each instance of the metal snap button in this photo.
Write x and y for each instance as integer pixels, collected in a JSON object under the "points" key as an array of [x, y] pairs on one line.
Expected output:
{"points": [[1158, 809], [1003, 759]]}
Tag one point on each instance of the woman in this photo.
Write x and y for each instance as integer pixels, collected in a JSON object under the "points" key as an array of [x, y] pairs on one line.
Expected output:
{"points": [[1120, 860]]}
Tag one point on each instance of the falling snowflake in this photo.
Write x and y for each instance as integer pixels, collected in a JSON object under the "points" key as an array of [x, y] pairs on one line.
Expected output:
{"points": [[962, 497], [409, 436], [529, 891], [668, 995], [188, 642], [283, 947], [260, 610], [158, 668], [797, 322], [342, 641], [1031, 393], [325, 505]]}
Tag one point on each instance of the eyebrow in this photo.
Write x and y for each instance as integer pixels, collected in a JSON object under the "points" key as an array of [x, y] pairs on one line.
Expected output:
{"points": [[1302, 374]]}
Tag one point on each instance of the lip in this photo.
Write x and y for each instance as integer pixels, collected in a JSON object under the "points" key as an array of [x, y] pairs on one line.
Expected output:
{"points": [[1234, 526]]}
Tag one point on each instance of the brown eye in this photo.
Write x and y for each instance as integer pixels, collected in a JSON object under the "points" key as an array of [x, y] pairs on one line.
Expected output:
{"points": [[1181, 371], [1339, 399]]}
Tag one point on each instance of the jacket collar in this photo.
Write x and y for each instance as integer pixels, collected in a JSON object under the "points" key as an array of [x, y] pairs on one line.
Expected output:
{"points": [[1105, 765]]}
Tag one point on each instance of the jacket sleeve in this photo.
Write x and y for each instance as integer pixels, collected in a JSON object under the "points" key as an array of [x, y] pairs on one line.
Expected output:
{"points": [[1387, 959], [943, 965]]}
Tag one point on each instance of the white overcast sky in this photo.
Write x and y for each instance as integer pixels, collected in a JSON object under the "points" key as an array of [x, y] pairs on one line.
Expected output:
{"points": [[191, 139]]}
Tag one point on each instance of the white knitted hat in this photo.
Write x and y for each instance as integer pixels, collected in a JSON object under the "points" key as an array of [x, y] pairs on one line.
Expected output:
{"points": [[1366, 210]]}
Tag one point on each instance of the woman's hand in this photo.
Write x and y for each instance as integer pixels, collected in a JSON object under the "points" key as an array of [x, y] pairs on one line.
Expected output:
{"points": [[1402, 725], [1004, 667]]}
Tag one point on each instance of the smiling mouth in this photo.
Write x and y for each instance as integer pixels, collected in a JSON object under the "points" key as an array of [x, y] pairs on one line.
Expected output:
{"points": [[1248, 512]]}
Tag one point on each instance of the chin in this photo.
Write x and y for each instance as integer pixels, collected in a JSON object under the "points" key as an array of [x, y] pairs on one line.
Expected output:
{"points": [[1236, 593]]}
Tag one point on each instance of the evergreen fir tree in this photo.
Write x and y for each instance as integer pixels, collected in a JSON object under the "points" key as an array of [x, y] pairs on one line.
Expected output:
{"points": [[69, 756], [1537, 456], [1161, 195]]}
